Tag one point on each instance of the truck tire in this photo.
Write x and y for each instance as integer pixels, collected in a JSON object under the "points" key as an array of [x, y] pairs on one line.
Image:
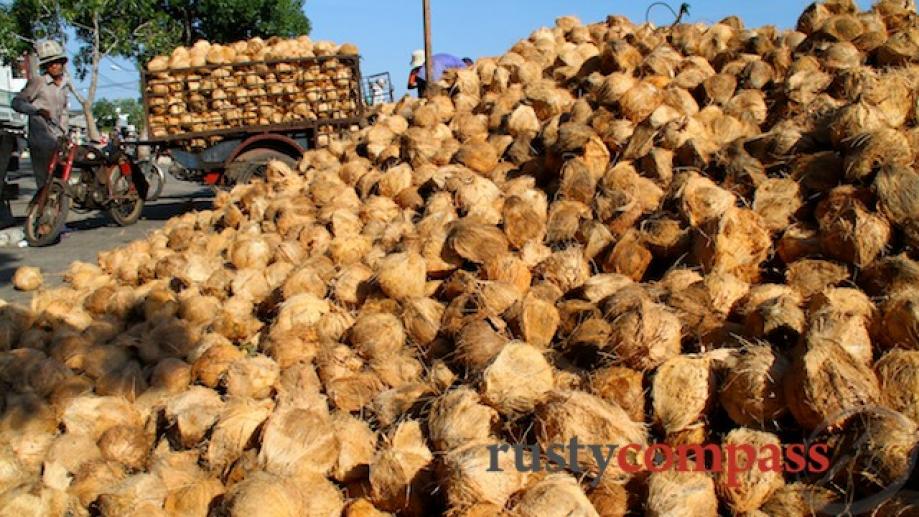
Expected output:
{"points": [[254, 164]]}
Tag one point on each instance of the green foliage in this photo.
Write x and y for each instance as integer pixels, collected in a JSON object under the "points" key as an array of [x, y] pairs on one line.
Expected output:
{"points": [[141, 29], [106, 112]]}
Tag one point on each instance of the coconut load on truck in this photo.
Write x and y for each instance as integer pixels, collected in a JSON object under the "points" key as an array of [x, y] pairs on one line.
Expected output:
{"points": [[224, 111]]}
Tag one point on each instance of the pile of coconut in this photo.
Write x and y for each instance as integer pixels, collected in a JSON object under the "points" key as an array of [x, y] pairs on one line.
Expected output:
{"points": [[618, 233]]}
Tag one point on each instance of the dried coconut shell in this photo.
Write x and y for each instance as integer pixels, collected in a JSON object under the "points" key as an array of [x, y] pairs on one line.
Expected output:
{"points": [[825, 380], [736, 243], [356, 447], [566, 414], [125, 445], [899, 380], [193, 413], [534, 319], [235, 427], [27, 278], [297, 442], [682, 393], [402, 275], [398, 470], [517, 379], [622, 386], [752, 486], [377, 335], [475, 242], [210, 368], [899, 322], [469, 481], [478, 341], [459, 418], [702, 200], [628, 257], [645, 334], [751, 391], [555, 495], [776, 201], [672, 492], [811, 276], [252, 377]]}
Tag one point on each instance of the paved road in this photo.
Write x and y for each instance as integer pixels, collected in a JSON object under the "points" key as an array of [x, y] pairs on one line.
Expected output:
{"points": [[89, 233]]}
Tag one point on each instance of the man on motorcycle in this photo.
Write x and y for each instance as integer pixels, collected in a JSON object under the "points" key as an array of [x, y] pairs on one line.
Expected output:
{"points": [[44, 99]]}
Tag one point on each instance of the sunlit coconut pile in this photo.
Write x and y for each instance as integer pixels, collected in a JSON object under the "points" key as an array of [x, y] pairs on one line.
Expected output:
{"points": [[616, 232]]}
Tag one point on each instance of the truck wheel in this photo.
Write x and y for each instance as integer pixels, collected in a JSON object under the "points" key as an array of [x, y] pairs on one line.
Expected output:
{"points": [[254, 164]]}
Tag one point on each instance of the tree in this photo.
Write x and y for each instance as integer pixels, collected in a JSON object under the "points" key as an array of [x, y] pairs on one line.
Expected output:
{"points": [[139, 29], [106, 112]]}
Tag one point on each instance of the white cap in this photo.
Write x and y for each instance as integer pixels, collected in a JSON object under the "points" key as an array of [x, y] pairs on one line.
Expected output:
{"points": [[417, 58]]}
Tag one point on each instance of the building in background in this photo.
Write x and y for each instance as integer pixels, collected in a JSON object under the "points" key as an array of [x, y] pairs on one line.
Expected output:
{"points": [[12, 81]]}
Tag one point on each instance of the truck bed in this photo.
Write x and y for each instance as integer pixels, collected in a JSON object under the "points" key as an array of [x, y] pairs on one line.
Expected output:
{"points": [[198, 106]]}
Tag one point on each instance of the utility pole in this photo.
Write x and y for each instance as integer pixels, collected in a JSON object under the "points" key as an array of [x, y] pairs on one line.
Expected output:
{"points": [[428, 61]]}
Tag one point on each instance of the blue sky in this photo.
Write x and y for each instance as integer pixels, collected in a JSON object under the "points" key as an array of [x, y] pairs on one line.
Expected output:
{"points": [[387, 31]]}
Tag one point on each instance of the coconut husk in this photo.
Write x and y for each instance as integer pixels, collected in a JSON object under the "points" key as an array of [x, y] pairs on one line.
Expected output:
{"points": [[566, 269], [736, 243], [297, 442], [534, 320], [776, 316], [645, 334], [252, 377], [470, 481], [193, 413], [235, 427], [777, 200], [682, 393], [843, 316], [672, 492], [798, 499], [753, 486], [797, 242], [629, 257], [895, 187], [125, 445], [825, 380], [898, 379], [210, 368], [399, 470], [811, 276], [701, 200], [475, 242], [899, 321], [622, 386], [517, 379], [564, 220], [554, 496], [873, 449], [27, 278], [751, 392], [566, 414], [377, 335]]}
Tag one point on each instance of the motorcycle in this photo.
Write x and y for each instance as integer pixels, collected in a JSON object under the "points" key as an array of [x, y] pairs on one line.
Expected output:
{"points": [[86, 177]]}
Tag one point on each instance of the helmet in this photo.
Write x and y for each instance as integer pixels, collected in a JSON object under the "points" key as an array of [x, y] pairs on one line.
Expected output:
{"points": [[417, 58], [49, 51]]}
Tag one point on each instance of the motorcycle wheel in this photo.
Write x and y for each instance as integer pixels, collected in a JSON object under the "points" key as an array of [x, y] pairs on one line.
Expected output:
{"points": [[156, 179], [46, 218], [127, 206]]}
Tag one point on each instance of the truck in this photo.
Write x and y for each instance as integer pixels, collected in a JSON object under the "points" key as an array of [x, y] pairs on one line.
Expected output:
{"points": [[222, 123]]}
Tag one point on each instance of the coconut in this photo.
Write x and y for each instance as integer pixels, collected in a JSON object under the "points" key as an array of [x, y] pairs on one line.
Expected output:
{"points": [[750, 485], [470, 479], [899, 379], [235, 427], [517, 379], [798, 499], [399, 469], [849, 232], [297, 442], [459, 418], [475, 242], [402, 275], [554, 495], [673, 492], [27, 278], [621, 386], [628, 257], [534, 319], [811, 276], [193, 413], [823, 381], [736, 243], [702, 200], [252, 377], [251, 253], [210, 368], [644, 334], [567, 414], [751, 392], [776, 201], [682, 393], [843, 316], [874, 449], [125, 445], [377, 335]]}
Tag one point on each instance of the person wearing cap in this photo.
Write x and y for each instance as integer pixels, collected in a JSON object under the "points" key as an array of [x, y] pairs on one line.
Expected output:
{"points": [[440, 64], [44, 99]]}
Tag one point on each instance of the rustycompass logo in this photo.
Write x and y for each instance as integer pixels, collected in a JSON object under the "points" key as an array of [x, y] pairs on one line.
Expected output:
{"points": [[872, 463]]}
